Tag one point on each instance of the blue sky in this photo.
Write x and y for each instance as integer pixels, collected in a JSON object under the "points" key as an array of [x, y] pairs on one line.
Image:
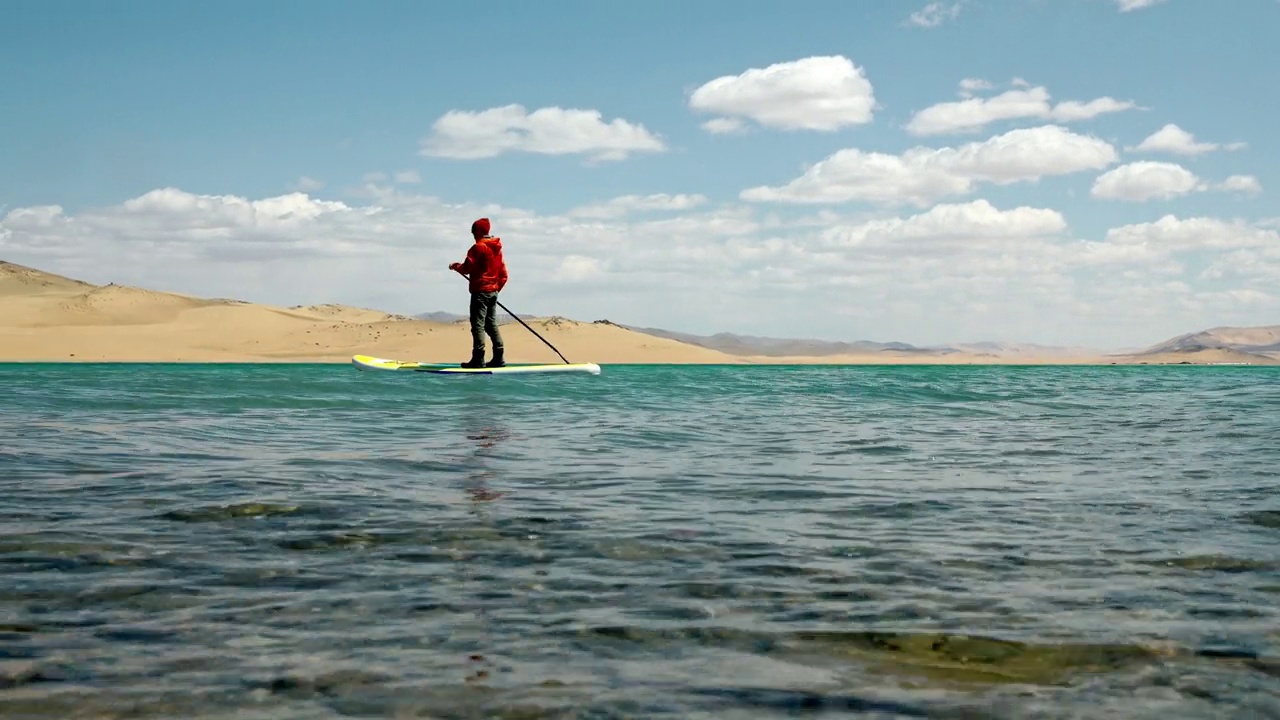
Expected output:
{"points": [[161, 144]]}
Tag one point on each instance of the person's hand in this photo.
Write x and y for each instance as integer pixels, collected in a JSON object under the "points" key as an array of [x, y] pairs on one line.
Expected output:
{"points": [[454, 266]]}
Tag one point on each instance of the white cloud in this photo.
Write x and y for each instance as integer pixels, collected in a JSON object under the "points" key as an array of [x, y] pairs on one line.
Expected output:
{"points": [[969, 86], [934, 14], [1173, 234], [36, 216], [724, 126], [980, 218], [206, 211], [306, 184], [1141, 181], [173, 222], [408, 177], [977, 220], [549, 131], [952, 272], [1109, 254], [578, 269], [1146, 268], [1073, 110], [1173, 139], [973, 114], [1146, 180], [628, 204], [1260, 265], [1238, 298], [1241, 183], [1130, 5], [921, 176], [815, 93]]}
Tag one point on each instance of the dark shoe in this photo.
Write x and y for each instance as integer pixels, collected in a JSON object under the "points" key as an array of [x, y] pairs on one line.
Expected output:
{"points": [[497, 360], [476, 361]]}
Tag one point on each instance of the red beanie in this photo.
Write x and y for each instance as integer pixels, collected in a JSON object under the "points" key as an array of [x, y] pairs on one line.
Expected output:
{"points": [[480, 228]]}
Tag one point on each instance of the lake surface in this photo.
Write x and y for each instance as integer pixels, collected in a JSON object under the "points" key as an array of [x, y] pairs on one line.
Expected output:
{"points": [[311, 541]]}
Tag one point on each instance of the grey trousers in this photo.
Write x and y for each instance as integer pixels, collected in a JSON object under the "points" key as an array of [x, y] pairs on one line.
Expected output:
{"points": [[484, 310]]}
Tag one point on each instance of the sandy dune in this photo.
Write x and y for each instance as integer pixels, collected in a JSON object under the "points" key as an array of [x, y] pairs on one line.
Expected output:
{"points": [[47, 317], [346, 313], [1265, 340]]}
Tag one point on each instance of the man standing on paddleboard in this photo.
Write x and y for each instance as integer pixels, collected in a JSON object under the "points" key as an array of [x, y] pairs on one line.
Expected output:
{"points": [[487, 273]]}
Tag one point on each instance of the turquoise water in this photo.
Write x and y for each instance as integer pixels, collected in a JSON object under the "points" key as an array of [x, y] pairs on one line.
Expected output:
{"points": [[721, 542]]}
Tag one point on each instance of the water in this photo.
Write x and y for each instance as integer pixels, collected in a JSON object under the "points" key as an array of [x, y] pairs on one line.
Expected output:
{"points": [[731, 542]]}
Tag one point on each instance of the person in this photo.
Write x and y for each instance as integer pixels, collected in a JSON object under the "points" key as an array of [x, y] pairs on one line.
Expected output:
{"points": [[487, 275]]}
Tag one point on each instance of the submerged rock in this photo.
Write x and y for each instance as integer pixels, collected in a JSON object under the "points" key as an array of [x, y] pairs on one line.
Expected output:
{"points": [[229, 512], [1264, 518], [969, 658]]}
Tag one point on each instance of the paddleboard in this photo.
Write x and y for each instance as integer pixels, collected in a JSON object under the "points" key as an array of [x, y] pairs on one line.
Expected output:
{"points": [[369, 362]]}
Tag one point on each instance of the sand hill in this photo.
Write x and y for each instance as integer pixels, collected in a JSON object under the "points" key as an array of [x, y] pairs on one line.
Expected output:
{"points": [[48, 317], [1256, 340]]}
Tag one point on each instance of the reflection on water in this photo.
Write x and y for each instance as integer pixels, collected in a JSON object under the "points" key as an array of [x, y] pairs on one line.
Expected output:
{"points": [[679, 542], [487, 434], [484, 434]]}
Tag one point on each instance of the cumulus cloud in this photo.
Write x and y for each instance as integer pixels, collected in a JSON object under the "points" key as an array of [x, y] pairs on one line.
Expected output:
{"points": [[1257, 265], [1173, 139], [207, 211], [1247, 184], [578, 269], [467, 135], [1173, 234], [1146, 268], [1140, 181], [921, 176], [816, 93], [934, 14], [1145, 180], [1131, 5], [949, 272], [307, 184], [968, 222], [973, 114], [969, 86], [168, 220], [628, 204], [724, 126]]}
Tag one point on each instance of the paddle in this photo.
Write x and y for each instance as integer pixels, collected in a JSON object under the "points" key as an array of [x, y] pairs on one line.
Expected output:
{"points": [[535, 332]]}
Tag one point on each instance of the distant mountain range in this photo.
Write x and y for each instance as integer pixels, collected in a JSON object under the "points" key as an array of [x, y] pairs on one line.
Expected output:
{"points": [[1259, 340], [782, 347], [448, 317], [42, 316], [1242, 341]]}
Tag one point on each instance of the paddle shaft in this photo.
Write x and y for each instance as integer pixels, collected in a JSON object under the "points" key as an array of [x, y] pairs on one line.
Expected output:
{"points": [[517, 317]]}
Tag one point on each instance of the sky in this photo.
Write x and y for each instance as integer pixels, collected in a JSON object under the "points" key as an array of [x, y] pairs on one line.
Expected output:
{"points": [[1068, 172]]}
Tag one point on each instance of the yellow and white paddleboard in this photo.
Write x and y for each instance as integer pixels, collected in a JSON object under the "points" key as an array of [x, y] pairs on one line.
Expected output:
{"points": [[369, 362]]}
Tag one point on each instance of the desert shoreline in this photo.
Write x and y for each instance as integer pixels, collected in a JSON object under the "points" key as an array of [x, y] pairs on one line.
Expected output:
{"points": [[51, 319], [347, 361], [740, 363]]}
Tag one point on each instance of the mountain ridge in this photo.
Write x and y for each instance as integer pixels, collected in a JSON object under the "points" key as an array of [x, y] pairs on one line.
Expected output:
{"points": [[1262, 341], [46, 315]]}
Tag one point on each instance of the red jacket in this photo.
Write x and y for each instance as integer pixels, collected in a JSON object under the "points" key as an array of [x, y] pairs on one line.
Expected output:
{"points": [[484, 265]]}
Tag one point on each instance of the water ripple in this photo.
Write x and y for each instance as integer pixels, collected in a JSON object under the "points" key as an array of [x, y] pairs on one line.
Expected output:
{"points": [[744, 542]]}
